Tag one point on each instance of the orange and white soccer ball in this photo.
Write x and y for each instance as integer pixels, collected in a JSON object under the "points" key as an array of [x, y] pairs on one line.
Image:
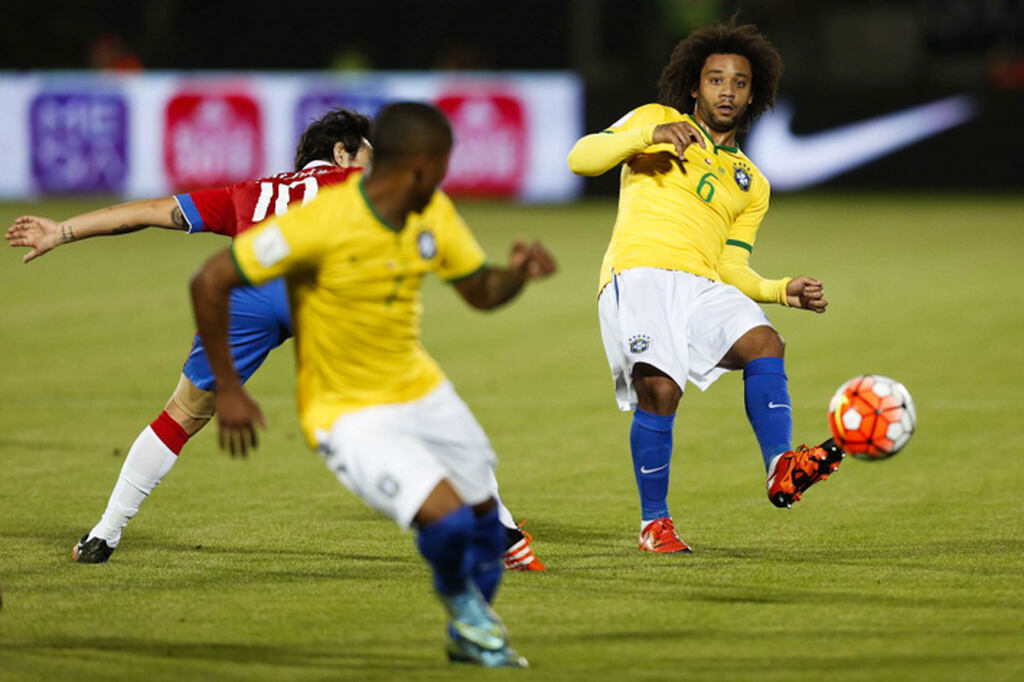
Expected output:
{"points": [[872, 417]]}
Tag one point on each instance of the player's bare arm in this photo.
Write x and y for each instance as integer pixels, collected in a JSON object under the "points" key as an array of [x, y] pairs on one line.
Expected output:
{"points": [[492, 287], [806, 293], [42, 235], [237, 413]]}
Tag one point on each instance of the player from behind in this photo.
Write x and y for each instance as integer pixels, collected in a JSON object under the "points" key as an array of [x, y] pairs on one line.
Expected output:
{"points": [[678, 299], [379, 409], [329, 149]]}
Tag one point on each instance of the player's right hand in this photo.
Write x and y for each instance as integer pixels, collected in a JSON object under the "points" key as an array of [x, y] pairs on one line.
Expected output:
{"points": [[39, 234], [237, 417], [680, 134], [806, 293]]}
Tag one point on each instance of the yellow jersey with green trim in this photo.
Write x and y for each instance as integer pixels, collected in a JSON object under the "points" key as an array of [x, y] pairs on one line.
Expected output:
{"points": [[700, 215], [354, 287]]}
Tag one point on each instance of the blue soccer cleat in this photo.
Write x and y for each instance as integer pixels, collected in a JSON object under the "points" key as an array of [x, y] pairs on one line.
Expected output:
{"points": [[461, 650], [473, 620]]}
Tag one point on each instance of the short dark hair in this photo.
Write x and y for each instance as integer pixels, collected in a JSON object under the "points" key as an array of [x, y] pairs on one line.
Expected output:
{"points": [[409, 128], [338, 125], [682, 73]]}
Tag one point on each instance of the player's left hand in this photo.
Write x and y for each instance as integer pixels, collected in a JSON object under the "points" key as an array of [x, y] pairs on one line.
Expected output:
{"points": [[39, 234], [237, 418], [806, 293], [532, 260]]}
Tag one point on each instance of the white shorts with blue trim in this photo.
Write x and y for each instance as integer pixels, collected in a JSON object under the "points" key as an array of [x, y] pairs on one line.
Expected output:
{"points": [[392, 456], [680, 323]]}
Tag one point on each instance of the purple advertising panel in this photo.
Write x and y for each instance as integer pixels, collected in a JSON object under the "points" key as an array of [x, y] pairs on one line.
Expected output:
{"points": [[314, 105], [79, 142]]}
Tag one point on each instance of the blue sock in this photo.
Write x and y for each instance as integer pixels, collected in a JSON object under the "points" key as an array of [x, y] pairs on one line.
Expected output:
{"points": [[650, 440], [769, 409], [485, 550], [445, 544]]}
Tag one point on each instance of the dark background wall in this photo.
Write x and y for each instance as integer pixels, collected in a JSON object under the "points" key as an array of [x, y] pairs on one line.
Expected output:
{"points": [[844, 59]]}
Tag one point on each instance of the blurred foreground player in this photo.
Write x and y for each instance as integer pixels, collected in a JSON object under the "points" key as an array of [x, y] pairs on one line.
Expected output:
{"points": [[330, 148], [677, 294], [370, 399]]}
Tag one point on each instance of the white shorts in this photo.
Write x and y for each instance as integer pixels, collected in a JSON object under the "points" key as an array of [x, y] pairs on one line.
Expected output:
{"points": [[680, 323], [393, 456]]}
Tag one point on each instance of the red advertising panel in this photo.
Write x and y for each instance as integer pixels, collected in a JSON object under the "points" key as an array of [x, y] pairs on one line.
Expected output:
{"points": [[212, 139], [491, 143]]}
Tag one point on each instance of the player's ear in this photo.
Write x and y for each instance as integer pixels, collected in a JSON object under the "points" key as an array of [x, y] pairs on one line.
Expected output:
{"points": [[342, 158]]}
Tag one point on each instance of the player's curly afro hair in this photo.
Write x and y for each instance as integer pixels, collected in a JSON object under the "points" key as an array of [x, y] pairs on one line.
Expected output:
{"points": [[681, 75], [338, 125]]}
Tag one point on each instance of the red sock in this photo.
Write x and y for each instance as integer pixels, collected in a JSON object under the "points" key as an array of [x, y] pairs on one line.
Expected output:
{"points": [[169, 432]]}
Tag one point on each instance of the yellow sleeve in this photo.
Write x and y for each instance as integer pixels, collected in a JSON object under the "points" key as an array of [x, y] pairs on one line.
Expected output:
{"points": [[600, 152], [734, 266], [298, 240], [460, 254]]}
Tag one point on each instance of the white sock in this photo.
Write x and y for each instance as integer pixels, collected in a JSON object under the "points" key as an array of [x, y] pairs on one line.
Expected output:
{"points": [[644, 522], [148, 461], [504, 515]]}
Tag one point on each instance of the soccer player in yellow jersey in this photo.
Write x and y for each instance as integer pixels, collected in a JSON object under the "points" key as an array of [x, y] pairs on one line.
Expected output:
{"points": [[678, 299], [377, 407]]}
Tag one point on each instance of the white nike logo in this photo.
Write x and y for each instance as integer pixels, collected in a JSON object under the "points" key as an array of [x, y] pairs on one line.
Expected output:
{"points": [[775, 406], [645, 470], [791, 162]]}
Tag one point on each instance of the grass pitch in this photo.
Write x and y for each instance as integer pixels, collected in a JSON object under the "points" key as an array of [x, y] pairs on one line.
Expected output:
{"points": [[909, 568]]}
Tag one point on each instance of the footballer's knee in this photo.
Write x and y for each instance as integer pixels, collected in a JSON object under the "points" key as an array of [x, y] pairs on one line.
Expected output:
{"points": [[442, 501], [655, 391], [759, 342], [190, 406], [485, 507]]}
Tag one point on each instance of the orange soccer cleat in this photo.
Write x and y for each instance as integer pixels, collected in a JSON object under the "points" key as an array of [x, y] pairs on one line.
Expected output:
{"points": [[795, 471], [519, 554], [660, 536]]}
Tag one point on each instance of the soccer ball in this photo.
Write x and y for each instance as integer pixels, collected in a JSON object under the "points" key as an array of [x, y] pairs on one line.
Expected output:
{"points": [[872, 417]]}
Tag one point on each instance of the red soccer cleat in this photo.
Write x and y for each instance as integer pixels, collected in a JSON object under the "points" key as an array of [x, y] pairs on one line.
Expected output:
{"points": [[659, 536], [519, 554], [795, 471]]}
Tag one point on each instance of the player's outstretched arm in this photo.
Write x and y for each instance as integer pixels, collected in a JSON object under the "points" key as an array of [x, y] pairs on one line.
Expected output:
{"points": [[806, 293], [237, 413], [598, 153], [492, 287], [43, 234]]}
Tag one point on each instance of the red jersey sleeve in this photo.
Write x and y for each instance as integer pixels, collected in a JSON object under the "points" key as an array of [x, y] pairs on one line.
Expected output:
{"points": [[209, 210]]}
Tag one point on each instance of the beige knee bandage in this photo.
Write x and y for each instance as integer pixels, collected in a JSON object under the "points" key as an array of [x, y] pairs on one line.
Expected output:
{"points": [[190, 406]]}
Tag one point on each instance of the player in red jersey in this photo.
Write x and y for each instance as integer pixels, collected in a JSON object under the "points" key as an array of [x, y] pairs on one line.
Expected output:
{"points": [[329, 150]]}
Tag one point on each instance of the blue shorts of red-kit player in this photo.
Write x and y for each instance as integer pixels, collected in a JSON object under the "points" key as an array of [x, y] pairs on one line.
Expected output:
{"points": [[260, 322]]}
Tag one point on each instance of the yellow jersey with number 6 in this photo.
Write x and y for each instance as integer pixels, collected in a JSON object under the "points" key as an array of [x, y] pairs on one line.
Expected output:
{"points": [[691, 215], [354, 287]]}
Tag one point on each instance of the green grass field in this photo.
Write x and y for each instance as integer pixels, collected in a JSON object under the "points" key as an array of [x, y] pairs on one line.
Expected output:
{"points": [[268, 569]]}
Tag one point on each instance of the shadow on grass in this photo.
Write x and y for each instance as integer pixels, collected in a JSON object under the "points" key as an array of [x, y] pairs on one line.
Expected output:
{"points": [[330, 656]]}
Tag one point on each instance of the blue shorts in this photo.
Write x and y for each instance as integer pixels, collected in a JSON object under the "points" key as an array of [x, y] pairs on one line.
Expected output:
{"points": [[260, 321]]}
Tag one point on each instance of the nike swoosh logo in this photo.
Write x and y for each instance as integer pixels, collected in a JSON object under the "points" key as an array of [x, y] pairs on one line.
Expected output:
{"points": [[645, 470], [792, 162], [775, 406]]}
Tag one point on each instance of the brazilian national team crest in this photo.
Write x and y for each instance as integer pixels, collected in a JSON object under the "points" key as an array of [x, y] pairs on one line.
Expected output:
{"points": [[387, 485], [742, 175], [639, 343], [426, 244]]}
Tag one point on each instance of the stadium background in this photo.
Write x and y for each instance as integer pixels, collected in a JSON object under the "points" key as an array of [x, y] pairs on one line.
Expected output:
{"points": [[905, 569]]}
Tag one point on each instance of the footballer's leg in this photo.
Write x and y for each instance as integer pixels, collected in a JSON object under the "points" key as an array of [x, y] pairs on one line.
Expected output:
{"points": [[378, 454], [650, 441], [149, 459], [635, 327], [260, 321], [518, 554], [759, 352]]}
